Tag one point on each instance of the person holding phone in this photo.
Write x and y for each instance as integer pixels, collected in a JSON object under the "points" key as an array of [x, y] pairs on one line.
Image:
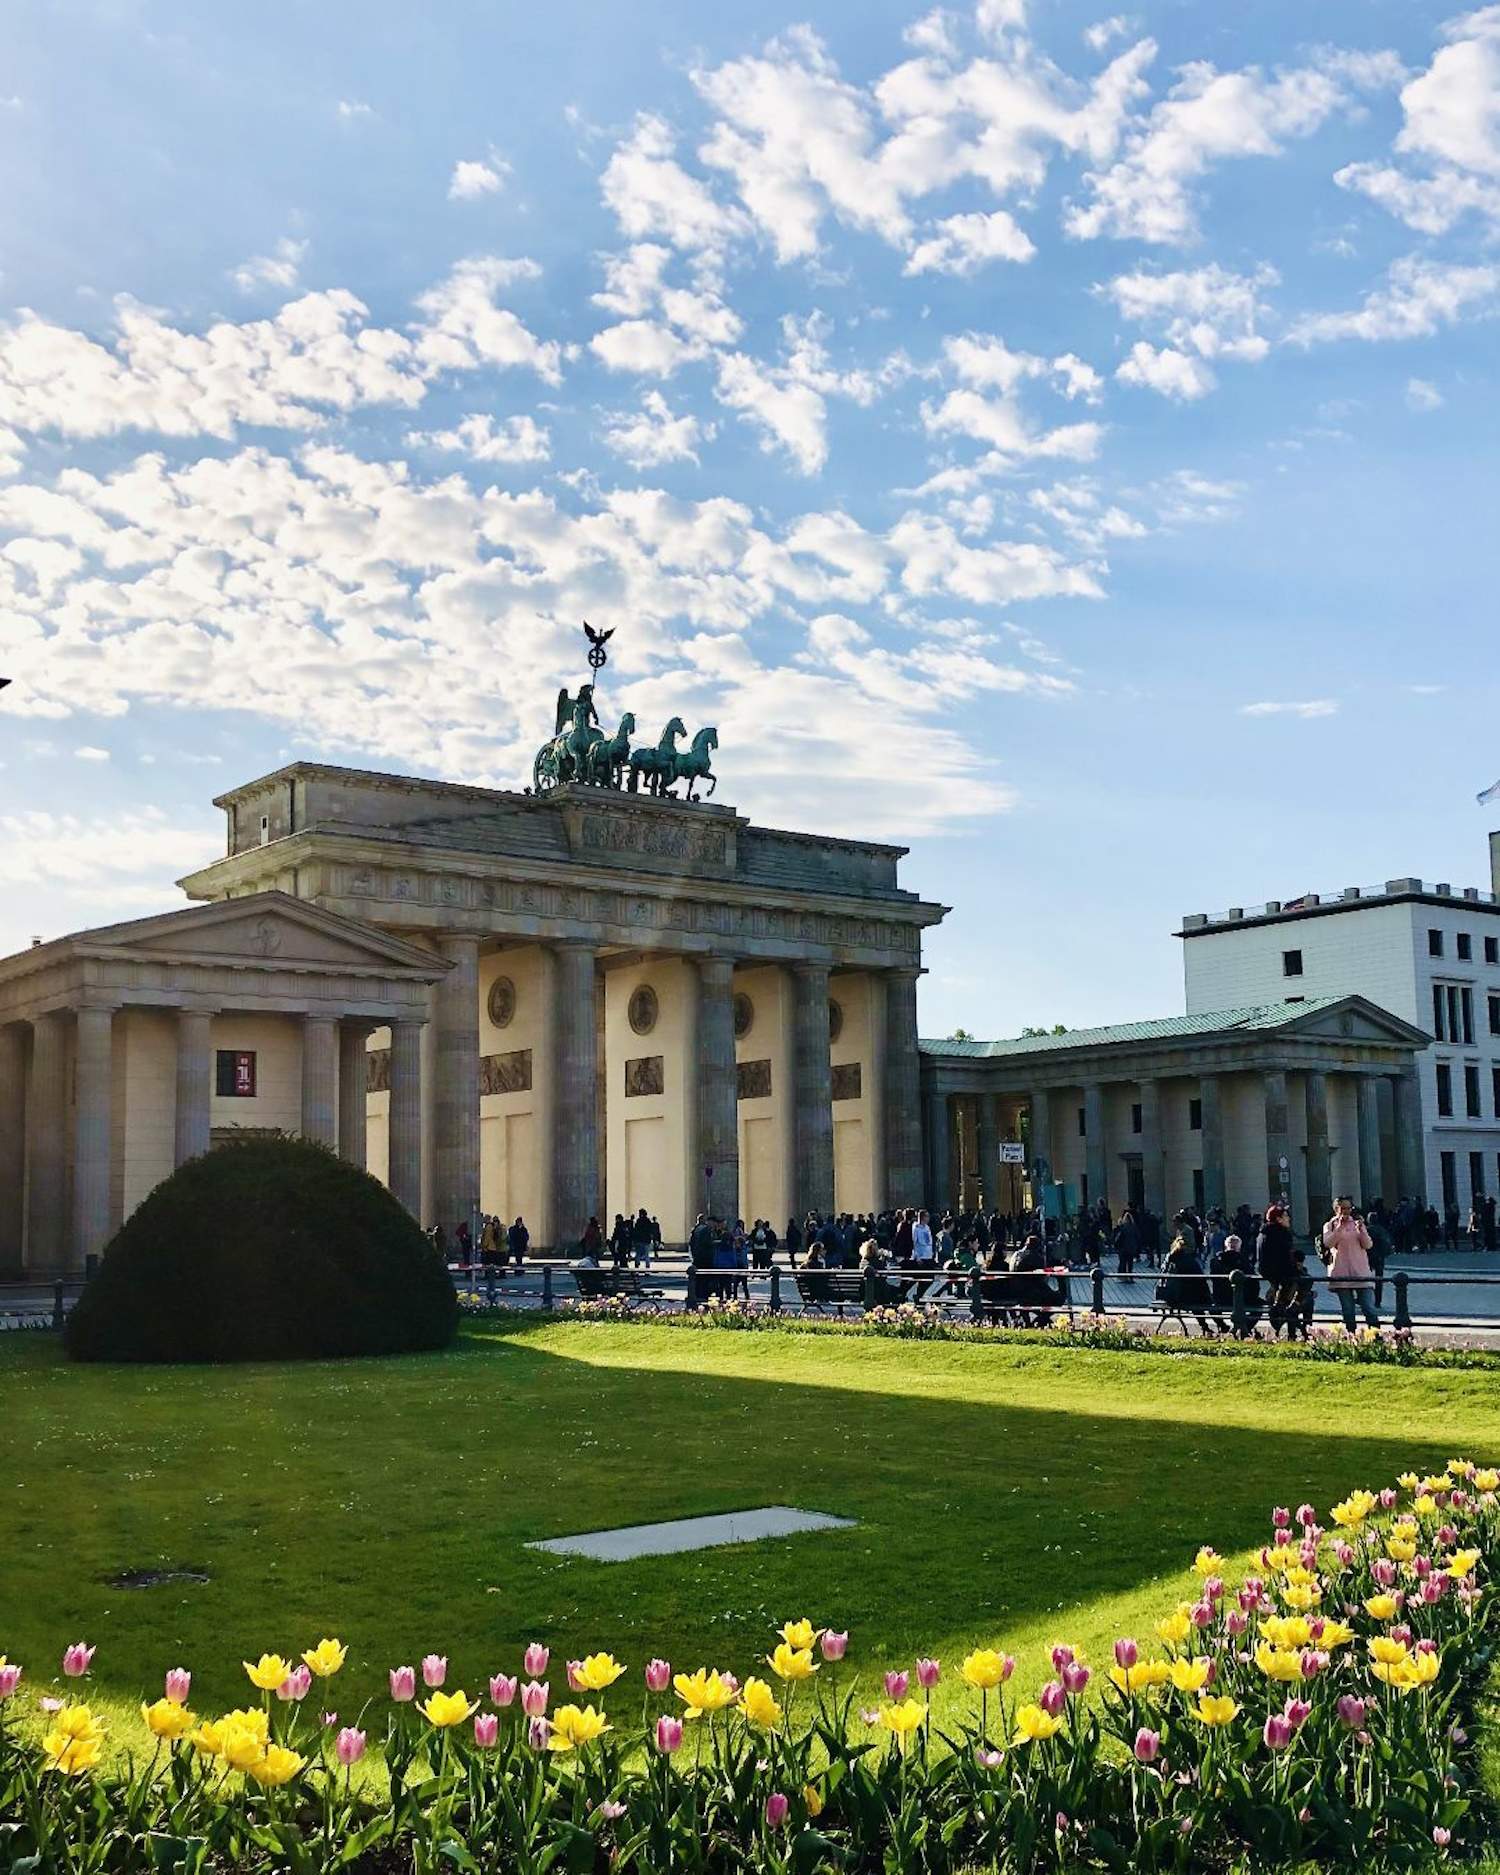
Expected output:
{"points": [[1346, 1251]]}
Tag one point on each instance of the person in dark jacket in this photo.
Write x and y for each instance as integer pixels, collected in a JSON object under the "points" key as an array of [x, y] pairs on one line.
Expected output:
{"points": [[1032, 1295], [1126, 1242], [1181, 1290], [1276, 1259], [518, 1241]]}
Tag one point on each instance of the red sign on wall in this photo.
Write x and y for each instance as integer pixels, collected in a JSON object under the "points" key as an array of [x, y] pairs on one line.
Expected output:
{"points": [[235, 1077]]}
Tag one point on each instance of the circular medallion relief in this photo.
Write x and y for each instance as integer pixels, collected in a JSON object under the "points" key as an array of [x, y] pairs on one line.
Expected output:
{"points": [[835, 1020], [744, 1015], [502, 1002], [643, 1009]]}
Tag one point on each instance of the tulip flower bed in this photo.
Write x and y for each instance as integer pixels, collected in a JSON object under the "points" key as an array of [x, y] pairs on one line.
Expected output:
{"points": [[1315, 1711]]}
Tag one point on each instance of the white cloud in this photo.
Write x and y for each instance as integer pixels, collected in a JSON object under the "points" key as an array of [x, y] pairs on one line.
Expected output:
{"points": [[997, 17], [935, 33], [1209, 310], [89, 752], [651, 194], [1168, 372], [1422, 396], [1429, 204], [353, 111], [278, 269], [788, 402], [1186, 499], [653, 435], [1098, 36], [962, 244], [64, 849], [1452, 110], [463, 328], [1419, 298], [645, 346], [633, 280], [1309, 712], [473, 178], [513, 439], [12, 451], [936, 560], [985, 364]]}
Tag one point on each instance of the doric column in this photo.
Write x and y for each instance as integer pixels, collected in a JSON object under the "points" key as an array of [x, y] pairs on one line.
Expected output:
{"points": [[1153, 1168], [405, 1121], [718, 1115], [1095, 1155], [1385, 1101], [354, 1084], [12, 1145], [1211, 1106], [1319, 1166], [455, 1095], [1278, 1137], [195, 1084], [1041, 1141], [320, 1060], [903, 1091], [574, 1156], [93, 1089], [1411, 1157], [47, 1140], [937, 1129], [812, 1107], [1371, 1181], [988, 1134]]}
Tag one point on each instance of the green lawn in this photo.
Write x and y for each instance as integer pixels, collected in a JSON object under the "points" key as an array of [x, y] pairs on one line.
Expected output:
{"points": [[1009, 1495]]}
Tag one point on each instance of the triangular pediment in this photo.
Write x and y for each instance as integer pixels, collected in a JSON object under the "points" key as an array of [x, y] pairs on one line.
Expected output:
{"points": [[264, 928], [1353, 1019]]}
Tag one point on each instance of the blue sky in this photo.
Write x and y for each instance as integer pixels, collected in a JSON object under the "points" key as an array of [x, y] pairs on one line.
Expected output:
{"points": [[1057, 439]]}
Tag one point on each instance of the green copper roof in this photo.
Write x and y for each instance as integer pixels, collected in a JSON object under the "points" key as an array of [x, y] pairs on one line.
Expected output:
{"points": [[1164, 1028]]}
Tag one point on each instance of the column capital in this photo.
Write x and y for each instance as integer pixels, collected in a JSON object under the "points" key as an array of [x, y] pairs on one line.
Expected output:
{"points": [[715, 964], [809, 967], [903, 973]]}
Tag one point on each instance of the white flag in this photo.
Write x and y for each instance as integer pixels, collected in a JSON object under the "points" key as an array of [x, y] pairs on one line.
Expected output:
{"points": [[1490, 794]]}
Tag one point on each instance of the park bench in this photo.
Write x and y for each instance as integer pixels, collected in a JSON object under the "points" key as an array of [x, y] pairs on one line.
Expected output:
{"points": [[822, 1290], [627, 1284]]}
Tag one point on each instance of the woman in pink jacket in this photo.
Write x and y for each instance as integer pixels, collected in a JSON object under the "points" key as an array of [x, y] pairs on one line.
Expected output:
{"points": [[1346, 1251]]}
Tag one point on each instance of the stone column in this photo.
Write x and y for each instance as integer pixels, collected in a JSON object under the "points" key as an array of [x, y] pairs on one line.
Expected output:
{"points": [[195, 1085], [1210, 1096], [12, 1145], [93, 1091], [937, 1126], [405, 1122], [1319, 1166], [1041, 1141], [903, 1091], [1095, 1154], [320, 1060], [718, 1110], [1371, 1183], [1153, 1167], [575, 1121], [1411, 1156], [46, 1136], [1278, 1137], [455, 1094], [989, 1150], [354, 1096], [812, 1107], [1385, 1100]]}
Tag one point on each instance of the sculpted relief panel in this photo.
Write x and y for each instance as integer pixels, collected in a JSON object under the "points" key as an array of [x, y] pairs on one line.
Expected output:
{"points": [[614, 833]]}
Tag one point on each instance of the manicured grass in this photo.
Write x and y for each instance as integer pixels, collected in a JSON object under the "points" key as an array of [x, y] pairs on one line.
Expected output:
{"points": [[1010, 1496]]}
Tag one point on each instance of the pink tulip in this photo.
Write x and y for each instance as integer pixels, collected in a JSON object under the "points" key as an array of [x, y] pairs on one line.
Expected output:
{"points": [[1442, 1837], [1213, 1589], [1283, 1539], [658, 1675], [1384, 1571], [1344, 1553], [349, 1746], [1281, 1517], [1422, 1567], [1432, 1589], [1309, 1554], [668, 1734], [1351, 1711], [1315, 1627], [776, 1809], [834, 1646], [1061, 1657], [928, 1674], [403, 1683], [1235, 1622], [75, 1662], [575, 1684], [1401, 1632], [1147, 1745], [1007, 1667], [1387, 1499], [869, 1715], [536, 1733], [1277, 1732], [535, 1660], [1295, 1713], [1052, 1698], [1202, 1615], [534, 1699], [731, 1682], [1426, 1646], [486, 1729], [434, 1669], [1447, 1537], [896, 1685], [1313, 1663], [988, 1758], [611, 1810], [179, 1684], [1306, 1515], [1126, 1654], [10, 1679], [328, 1718], [1075, 1676]]}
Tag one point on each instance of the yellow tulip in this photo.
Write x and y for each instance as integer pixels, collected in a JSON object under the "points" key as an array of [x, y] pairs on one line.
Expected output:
{"points": [[1487, 1480], [574, 1727], [1279, 1663], [984, 1669], [1033, 1724], [1426, 1505], [1381, 1607], [268, 1672], [800, 1634], [1175, 1629], [1301, 1594], [73, 1741], [1335, 1634], [1286, 1630], [1407, 1675], [1190, 1676], [1383, 1648], [278, 1766], [326, 1658], [1408, 1481], [902, 1720], [1440, 1481], [791, 1663], [598, 1671], [1354, 1509], [240, 1748], [166, 1719], [1461, 1562], [1400, 1548], [1215, 1709], [813, 1798], [759, 1705], [703, 1692], [1208, 1561], [443, 1709]]}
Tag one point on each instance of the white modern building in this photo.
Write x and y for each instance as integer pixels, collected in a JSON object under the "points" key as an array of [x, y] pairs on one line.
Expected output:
{"points": [[1430, 954]]}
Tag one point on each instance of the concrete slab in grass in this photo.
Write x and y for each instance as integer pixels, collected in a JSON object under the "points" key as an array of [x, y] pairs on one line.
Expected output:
{"points": [[689, 1533]]}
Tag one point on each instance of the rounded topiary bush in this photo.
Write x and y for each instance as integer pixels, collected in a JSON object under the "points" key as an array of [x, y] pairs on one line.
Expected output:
{"points": [[265, 1249]]}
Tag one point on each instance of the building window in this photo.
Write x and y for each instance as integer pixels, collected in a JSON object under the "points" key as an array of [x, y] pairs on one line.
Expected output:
{"points": [[1291, 963], [1453, 1013], [1465, 947], [1495, 1089], [1449, 1164], [1466, 1012], [1445, 1090], [1492, 950], [1195, 1116], [1434, 943], [1471, 1091], [1135, 1111], [234, 1073], [1083, 1121], [1495, 1015], [1439, 1019]]}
